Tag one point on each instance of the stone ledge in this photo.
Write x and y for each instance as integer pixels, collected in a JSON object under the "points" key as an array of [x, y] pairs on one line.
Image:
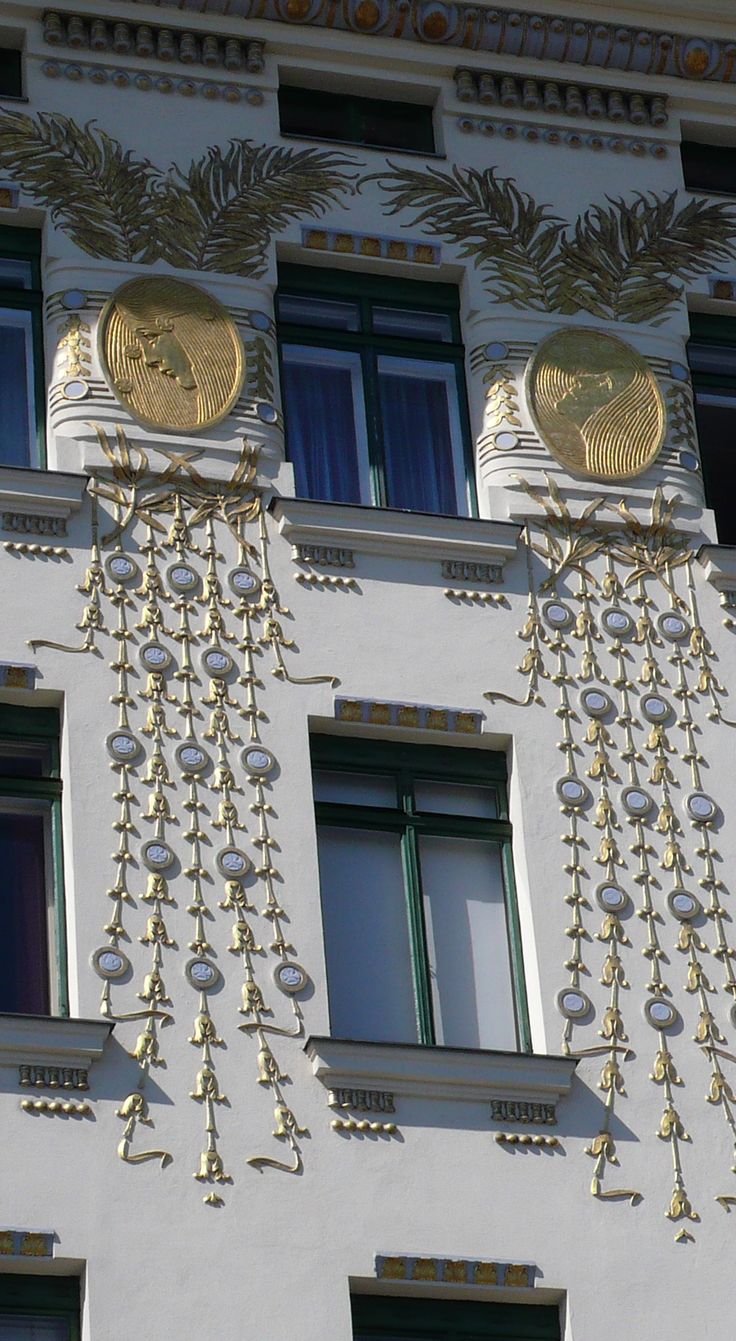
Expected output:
{"points": [[41, 493], [465, 1074], [386, 531], [47, 1040], [719, 562]]}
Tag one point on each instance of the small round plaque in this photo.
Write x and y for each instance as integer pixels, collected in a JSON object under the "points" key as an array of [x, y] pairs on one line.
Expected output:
{"points": [[232, 863], [595, 702], [679, 372], [496, 350], [660, 1013], [612, 898], [557, 614], [290, 977], [202, 974], [155, 657], [506, 441], [257, 760], [121, 569], [701, 807], [689, 461], [617, 622], [109, 962], [123, 746], [75, 389], [268, 414], [655, 708], [572, 792], [216, 661], [182, 578], [243, 582], [673, 627], [259, 320], [573, 1004], [636, 801], [683, 905], [191, 758], [74, 300], [157, 855]]}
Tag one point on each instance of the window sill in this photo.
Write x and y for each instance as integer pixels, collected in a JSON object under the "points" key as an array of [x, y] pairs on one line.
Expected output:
{"points": [[465, 1074], [364, 148], [41, 493], [719, 562], [388, 531], [50, 1041]]}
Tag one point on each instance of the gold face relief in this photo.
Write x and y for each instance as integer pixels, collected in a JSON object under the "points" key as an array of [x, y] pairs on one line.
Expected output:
{"points": [[171, 353], [596, 404]]}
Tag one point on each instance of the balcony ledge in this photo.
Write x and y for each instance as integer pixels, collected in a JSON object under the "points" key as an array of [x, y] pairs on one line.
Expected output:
{"points": [[388, 531], [719, 562], [465, 1074], [46, 1040]]}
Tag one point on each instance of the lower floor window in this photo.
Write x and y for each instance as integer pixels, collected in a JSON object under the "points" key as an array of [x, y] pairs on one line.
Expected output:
{"points": [[376, 1318], [39, 1308], [420, 923]]}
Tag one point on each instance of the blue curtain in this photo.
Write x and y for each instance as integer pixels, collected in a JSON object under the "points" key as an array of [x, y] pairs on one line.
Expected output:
{"points": [[15, 419], [417, 444], [320, 422]]}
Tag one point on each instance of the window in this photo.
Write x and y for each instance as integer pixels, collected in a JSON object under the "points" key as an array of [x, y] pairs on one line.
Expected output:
{"points": [[420, 926], [22, 392], [32, 951], [11, 73], [709, 167], [373, 122], [372, 378], [712, 356], [39, 1308], [377, 1318]]}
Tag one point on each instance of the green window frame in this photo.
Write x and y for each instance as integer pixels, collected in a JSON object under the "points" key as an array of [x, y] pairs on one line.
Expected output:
{"points": [[409, 765], [712, 358], [348, 118], [31, 1297], [368, 293], [21, 726], [387, 1318], [24, 244]]}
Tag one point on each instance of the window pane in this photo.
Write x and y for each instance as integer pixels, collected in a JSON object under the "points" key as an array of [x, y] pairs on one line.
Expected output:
{"points": [[467, 943], [354, 789], [456, 798], [416, 325], [366, 936], [716, 421], [24, 759], [15, 274], [421, 434], [709, 167], [325, 422], [24, 985], [303, 311], [33, 1329], [719, 360], [17, 417]]}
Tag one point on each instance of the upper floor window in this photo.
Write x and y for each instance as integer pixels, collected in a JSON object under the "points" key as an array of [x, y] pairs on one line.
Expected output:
{"points": [[375, 123], [11, 72], [374, 394], [39, 1308], [389, 1318], [419, 915], [709, 167], [712, 356], [21, 344], [32, 951]]}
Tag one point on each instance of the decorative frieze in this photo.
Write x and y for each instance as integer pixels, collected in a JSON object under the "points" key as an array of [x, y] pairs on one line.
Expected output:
{"points": [[420, 716], [53, 1077], [522, 1110], [56, 1107], [324, 556], [362, 244], [145, 82], [571, 139], [363, 1101], [26, 1243], [544, 95], [154, 43], [31, 523], [17, 677], [460, 570], [456, 1271]]}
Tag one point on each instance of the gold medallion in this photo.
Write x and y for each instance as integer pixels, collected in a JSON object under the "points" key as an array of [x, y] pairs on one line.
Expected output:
{"points": [[596, 404], [171, 354]]}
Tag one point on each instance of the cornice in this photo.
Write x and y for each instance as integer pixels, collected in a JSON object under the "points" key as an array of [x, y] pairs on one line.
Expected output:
{"points": [[623, 47]]}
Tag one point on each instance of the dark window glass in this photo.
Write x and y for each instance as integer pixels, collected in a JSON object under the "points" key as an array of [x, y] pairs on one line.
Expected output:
{"points": [[39, 1308], [373, 122], [709, 167], [374, 400], [11, 73], [21, 388], [377, 1318], [713, 367]]}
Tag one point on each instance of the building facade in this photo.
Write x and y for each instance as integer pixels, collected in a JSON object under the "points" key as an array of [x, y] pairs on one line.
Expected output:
{"points": [[367, 376]]}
